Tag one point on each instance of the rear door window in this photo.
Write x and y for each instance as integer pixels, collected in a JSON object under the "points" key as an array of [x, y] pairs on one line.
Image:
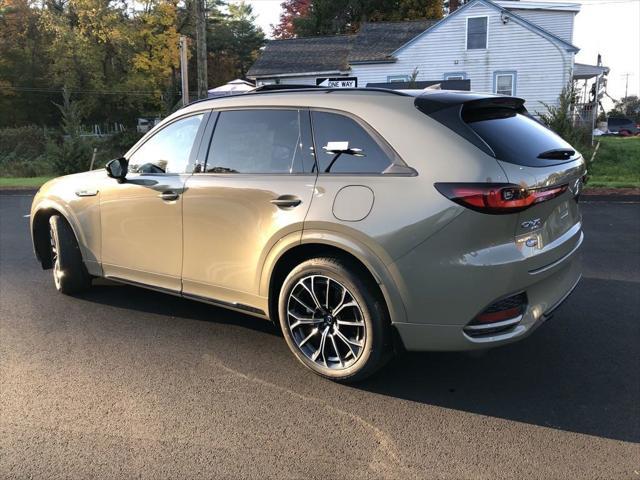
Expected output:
{"points": [[344, 146], [261, 141], [515, 137]]}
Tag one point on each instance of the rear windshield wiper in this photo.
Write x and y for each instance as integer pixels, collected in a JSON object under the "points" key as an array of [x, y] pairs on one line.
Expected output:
{"points": [[558, 154]]}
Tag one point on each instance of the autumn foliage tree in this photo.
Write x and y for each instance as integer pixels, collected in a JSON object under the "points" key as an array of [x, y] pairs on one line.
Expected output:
{"points": [[118, 59], [291, 10], [304, 18]]}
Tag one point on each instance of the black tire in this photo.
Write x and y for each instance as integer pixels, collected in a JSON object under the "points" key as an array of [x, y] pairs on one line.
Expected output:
{"points": [[356, 363], [69, 271]]}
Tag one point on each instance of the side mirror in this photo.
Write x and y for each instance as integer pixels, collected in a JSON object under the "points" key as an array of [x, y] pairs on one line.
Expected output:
{"points": [[118, 169]]}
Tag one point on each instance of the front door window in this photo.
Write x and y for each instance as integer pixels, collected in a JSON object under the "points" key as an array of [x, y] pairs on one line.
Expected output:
{"points": [[169, 150]]}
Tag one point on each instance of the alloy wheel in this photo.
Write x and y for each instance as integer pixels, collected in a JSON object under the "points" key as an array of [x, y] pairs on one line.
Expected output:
{"points": [[55, 260], [325, 322]]}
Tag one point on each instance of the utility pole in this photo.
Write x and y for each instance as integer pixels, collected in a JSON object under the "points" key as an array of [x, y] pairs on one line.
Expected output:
{"points": [[184, 70], [201, 47], [626, 84], [594, 109]]}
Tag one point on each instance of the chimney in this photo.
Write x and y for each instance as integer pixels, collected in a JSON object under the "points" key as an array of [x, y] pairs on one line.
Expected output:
{"points": [[453, 5]]}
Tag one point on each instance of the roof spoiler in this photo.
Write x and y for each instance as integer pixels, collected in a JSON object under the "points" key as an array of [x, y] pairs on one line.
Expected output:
{"points": [[434, 101]]}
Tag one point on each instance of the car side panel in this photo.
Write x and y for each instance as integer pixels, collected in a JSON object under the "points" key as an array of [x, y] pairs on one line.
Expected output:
{"points": [[142, 233], [230, 225]]}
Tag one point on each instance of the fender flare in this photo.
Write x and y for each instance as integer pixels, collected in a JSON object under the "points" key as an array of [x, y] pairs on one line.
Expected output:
{"points": [[381, 273], [63, 209]]}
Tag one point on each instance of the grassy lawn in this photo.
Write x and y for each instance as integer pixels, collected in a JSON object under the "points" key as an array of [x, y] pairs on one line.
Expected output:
{"points": [[617, 163], [23, 182]]}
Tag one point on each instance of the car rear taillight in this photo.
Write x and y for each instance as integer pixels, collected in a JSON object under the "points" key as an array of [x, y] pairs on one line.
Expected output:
{"points": [[497, 198]]}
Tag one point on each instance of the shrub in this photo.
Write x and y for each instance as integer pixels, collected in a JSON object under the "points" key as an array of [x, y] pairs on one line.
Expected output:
{"points": [[71, 155], [559, 118], [22, 152]]}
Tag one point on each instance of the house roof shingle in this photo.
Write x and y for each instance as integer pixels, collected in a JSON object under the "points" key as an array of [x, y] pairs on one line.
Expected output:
{"points": [[302, 55], [377, 41], [373, 43]]}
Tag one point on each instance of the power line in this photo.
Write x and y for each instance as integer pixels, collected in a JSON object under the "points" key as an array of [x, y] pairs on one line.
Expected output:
{"points": [[60, 90]]}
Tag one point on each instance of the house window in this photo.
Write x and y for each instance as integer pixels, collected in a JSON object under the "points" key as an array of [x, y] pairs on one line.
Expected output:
{"points": [[504, 83], [455, 76], [477, 33], [397, 78]]}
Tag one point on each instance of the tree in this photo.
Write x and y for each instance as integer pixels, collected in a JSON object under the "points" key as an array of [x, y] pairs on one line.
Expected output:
{"points": [[118, 58], [247, 37], [233, 42], [157, 55], [88, 49], [25, 87], [627, 107], [332, 17], [71, 153], [291, 10]]}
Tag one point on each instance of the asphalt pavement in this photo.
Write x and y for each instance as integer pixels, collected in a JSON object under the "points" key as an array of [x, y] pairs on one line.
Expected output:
{"points": [[123, 382]]}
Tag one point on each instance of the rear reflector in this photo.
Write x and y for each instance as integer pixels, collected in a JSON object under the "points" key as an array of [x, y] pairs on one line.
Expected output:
{"points": [[497, 198], [500, 316]]}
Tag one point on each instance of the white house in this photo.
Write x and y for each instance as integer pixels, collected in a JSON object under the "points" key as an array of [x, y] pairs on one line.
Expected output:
{"points": [[521, 48]]}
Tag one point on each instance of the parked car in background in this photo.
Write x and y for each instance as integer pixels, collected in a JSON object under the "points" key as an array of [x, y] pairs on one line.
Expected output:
{"points": [[622, 126], [359, 221]]}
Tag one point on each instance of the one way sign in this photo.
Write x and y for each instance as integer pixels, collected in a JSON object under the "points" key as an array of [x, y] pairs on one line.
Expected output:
{"points": [[338, 82]]}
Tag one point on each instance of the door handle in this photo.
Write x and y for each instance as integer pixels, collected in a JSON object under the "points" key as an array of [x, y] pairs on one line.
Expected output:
{"points": [[286, 201], [169, 196]]}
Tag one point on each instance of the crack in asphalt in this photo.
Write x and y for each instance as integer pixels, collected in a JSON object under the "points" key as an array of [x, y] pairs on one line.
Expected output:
{"points": [[389, 463]]}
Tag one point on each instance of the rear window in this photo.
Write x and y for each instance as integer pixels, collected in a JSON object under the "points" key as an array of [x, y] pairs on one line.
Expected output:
{"points": [[517, 138]]}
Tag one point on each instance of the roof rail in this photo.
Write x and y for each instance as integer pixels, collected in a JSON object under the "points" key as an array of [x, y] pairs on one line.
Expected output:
{"points": [[289, 88], [283, 86]]}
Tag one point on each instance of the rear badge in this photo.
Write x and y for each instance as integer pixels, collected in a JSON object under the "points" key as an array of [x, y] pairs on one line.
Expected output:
{"points": [[531, 224]]}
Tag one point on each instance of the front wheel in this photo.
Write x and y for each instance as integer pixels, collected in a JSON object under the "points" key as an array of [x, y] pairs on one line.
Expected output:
{"points": [[69, 272], [334, 319]]}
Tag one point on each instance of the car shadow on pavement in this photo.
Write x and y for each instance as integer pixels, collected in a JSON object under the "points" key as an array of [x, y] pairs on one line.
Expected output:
{"points": [[579, 372], [148, 301]]}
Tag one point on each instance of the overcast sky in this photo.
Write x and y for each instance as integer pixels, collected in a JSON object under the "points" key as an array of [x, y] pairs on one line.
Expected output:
{"points": [[609, 27]]}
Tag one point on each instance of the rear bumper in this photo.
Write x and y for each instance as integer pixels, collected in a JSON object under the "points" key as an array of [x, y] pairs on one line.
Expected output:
{"points": [[546, 289]]}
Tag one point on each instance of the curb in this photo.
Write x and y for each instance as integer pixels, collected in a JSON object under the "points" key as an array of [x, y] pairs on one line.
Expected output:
{"points": [[612, 198]]}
